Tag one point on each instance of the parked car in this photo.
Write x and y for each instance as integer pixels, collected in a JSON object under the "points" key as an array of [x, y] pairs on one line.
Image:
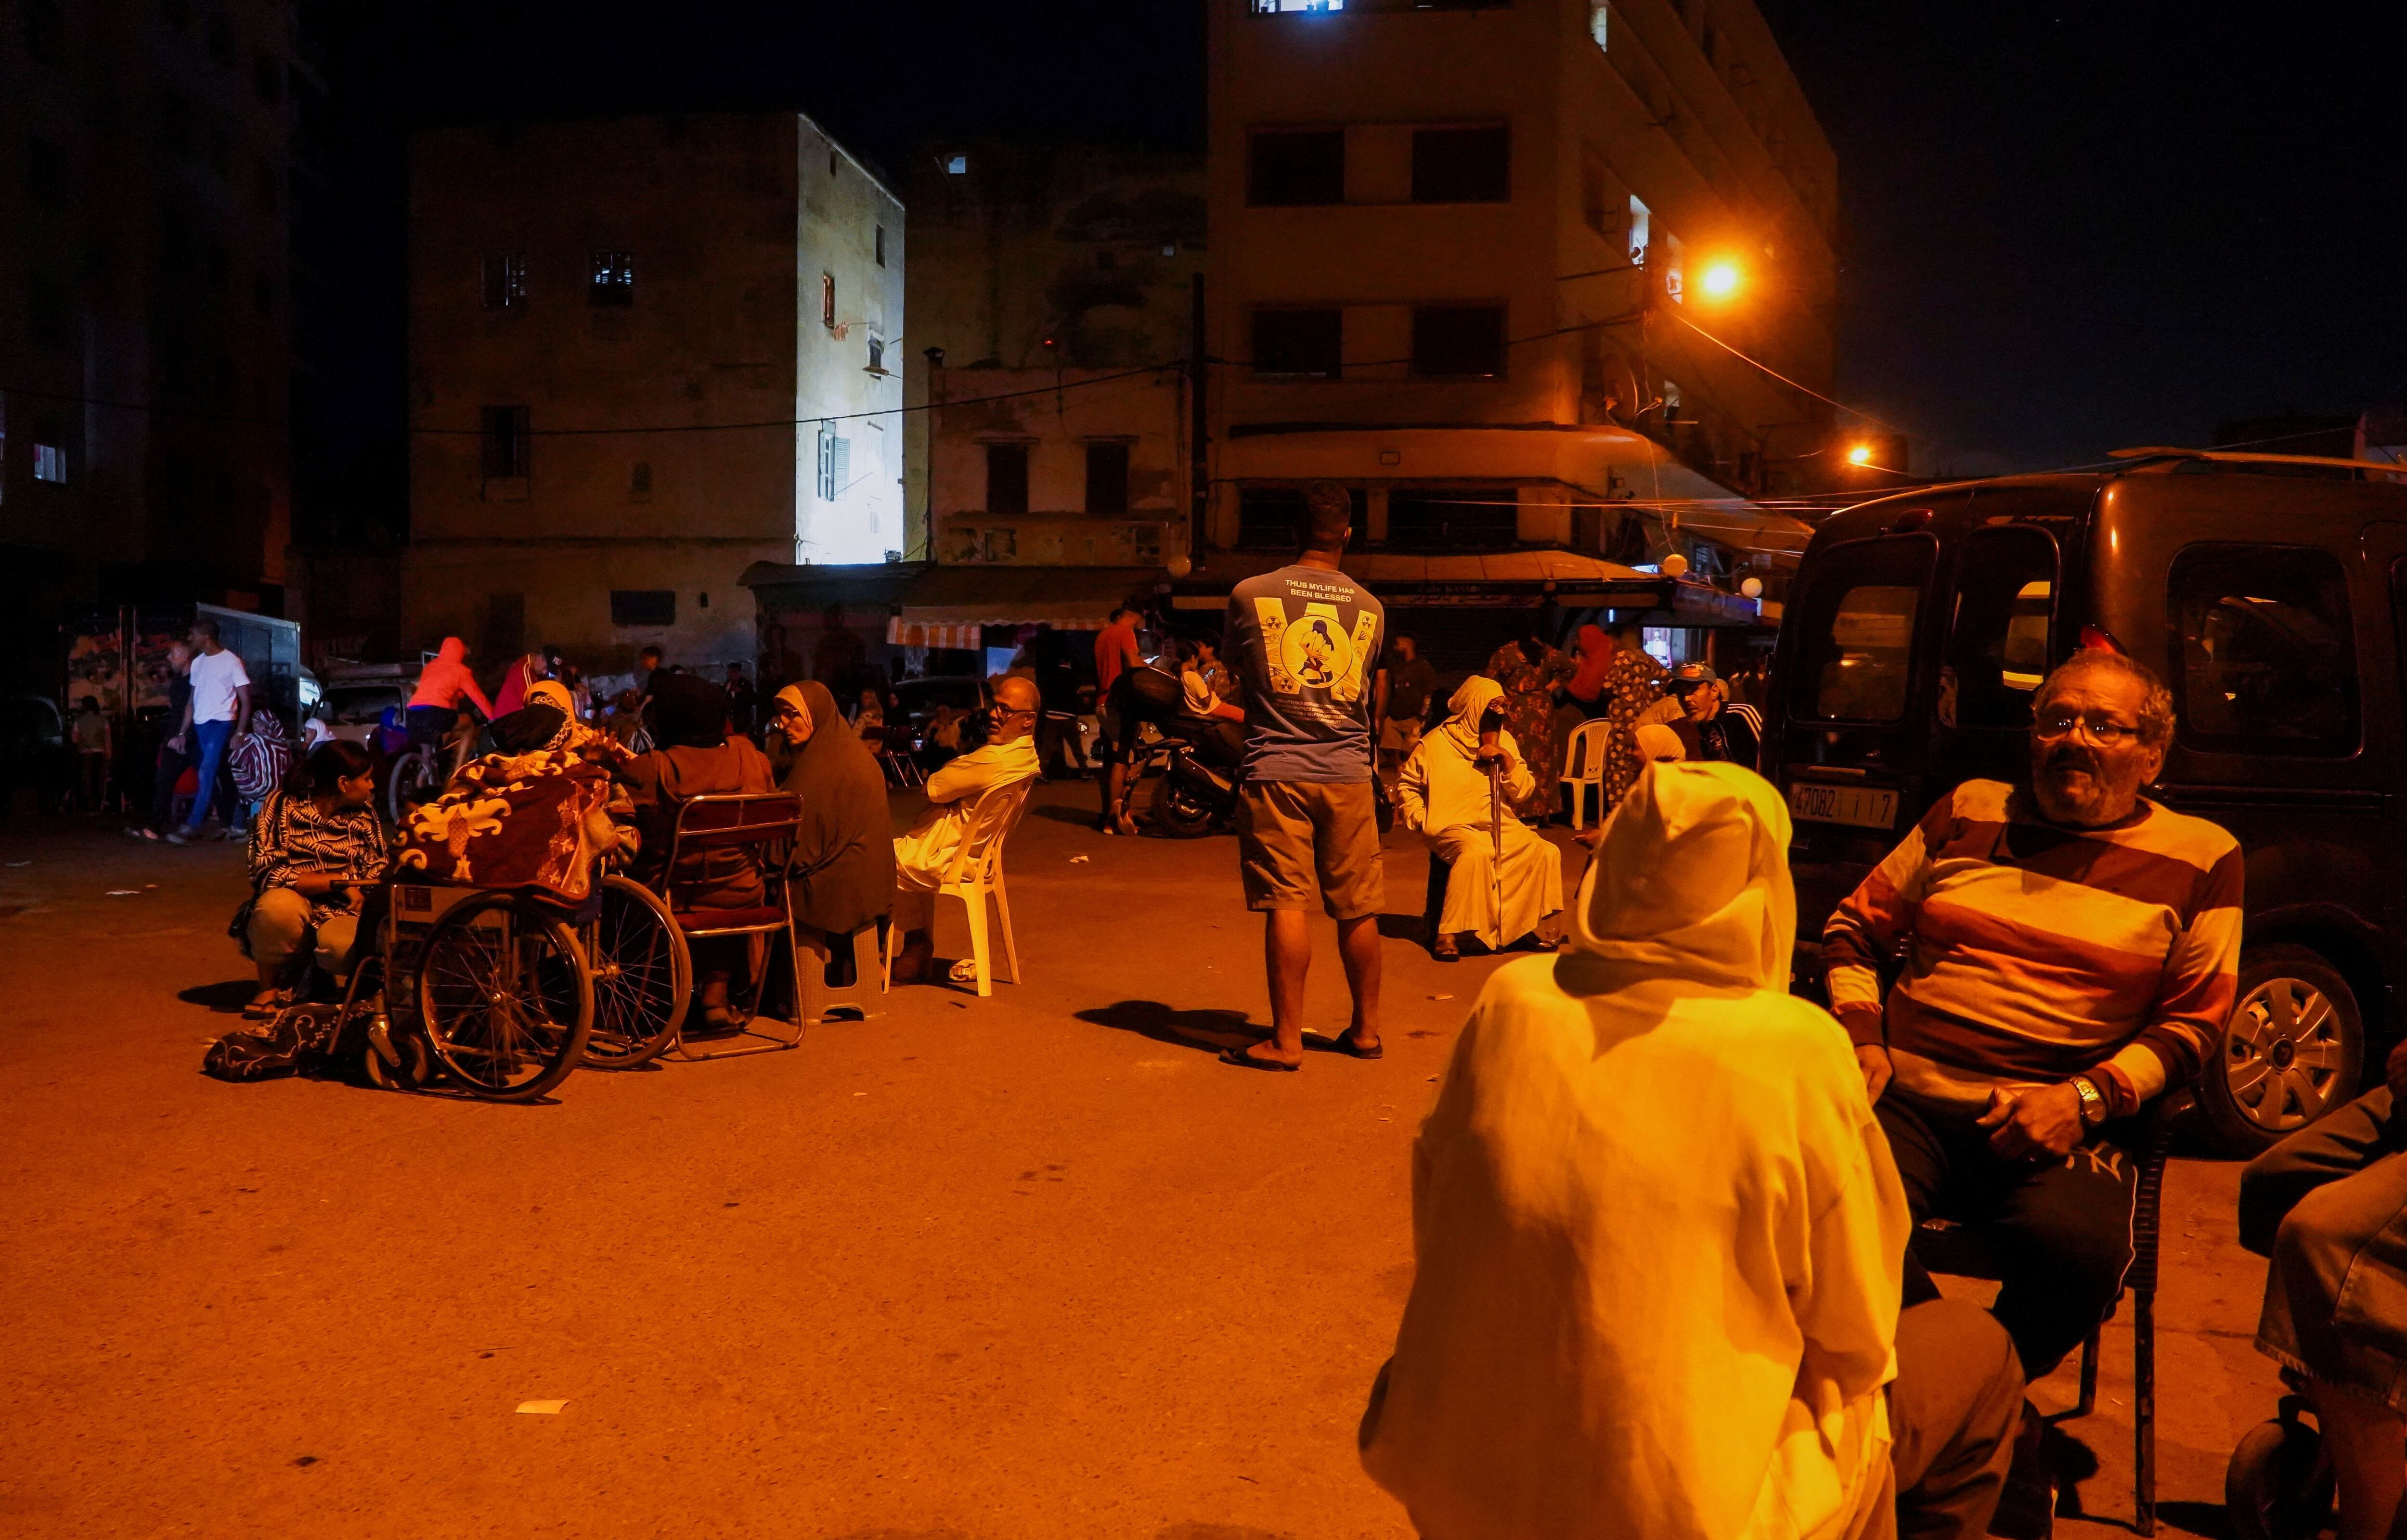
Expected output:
{"points": [[354, 697], [2267, 591]]}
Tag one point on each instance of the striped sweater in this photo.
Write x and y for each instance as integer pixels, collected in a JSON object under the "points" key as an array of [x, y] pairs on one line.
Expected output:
{"points": [[2033, 952]]}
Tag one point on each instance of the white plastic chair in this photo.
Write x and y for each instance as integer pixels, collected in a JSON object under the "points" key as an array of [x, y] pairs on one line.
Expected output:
{"points": [[976, 872], [1584, 767]]}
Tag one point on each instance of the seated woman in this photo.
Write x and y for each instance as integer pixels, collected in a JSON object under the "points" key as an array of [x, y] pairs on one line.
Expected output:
{"points": [[2328, 1205], [844, 856], [1443, 792], [315, 842], [696, 758]]}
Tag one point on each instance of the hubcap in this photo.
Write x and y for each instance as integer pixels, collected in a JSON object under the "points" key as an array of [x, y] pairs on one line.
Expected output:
{"points": [[2282, 1056]]}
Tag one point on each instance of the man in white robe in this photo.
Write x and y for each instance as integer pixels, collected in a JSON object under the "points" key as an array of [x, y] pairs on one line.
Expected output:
{"points": [[1659, 1238], [1443, 793], [924, 858]]}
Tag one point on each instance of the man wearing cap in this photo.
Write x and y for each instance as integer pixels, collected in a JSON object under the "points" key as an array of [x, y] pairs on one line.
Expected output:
{"points": [[1711, 725]]}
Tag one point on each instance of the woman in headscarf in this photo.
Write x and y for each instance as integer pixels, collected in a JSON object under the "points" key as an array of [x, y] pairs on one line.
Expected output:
{"points": [[843, 853], [1443, 792], [1634, 681], [1586, 689], [697, 759], [1528, 670]]}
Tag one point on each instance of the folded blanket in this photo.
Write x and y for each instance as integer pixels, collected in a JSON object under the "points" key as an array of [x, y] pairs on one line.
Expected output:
{"points": [[535, 820]]}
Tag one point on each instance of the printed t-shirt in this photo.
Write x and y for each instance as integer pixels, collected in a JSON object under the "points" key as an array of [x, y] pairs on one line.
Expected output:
{"points": [[1305, 642], [215, 678]]}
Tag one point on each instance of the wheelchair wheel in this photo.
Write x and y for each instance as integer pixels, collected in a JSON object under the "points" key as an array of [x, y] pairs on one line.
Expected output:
{"points": [[2278, 1486], [643, 976], [417, 1064], [411, 774], [506, 998]]}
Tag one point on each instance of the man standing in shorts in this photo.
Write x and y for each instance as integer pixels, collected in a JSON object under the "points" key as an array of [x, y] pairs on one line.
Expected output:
{"points": [[1306, 641]]}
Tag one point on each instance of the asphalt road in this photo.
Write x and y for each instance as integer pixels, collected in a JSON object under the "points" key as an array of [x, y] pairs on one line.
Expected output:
{"points": [[1029, 1266]]}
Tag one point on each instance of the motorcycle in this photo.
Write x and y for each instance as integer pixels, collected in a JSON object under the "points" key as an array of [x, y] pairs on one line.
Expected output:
{"points": [[1199, 762]]}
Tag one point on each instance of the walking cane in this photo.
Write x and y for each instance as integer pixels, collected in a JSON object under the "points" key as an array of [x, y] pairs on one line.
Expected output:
{"points": [[1488, 743]]}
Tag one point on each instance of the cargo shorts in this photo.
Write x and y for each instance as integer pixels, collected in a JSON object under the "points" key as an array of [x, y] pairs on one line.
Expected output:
{"points": [[1301, 840]]}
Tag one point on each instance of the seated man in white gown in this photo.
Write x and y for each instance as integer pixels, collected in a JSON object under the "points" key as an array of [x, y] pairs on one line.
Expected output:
{"points": [[1443, 792], [924, 855]]}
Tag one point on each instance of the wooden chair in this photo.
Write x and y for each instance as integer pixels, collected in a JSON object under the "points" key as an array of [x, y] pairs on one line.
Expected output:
{"points": [[976, 872], [1583, 768], [762, 824], [1966, 1251]]}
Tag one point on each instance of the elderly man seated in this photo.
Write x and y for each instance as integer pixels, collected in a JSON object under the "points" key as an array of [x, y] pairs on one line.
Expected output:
{"points": [[1445, 792], [924, 856], [2070, 949], [1658, 1237], [2328, 1205]]}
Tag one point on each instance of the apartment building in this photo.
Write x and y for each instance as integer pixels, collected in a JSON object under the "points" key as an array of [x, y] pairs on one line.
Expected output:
{"points": [[146, 175], [645, 354], [1492, 262]]}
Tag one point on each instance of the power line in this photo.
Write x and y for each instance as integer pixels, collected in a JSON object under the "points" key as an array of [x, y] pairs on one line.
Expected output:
{"points": [[1783, 378]]}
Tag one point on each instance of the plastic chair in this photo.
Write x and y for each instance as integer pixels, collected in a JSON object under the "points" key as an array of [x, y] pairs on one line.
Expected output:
{"points": [[977, 872], [822, 1000], [1965, 1252], [762, 824], [1583, 768]]}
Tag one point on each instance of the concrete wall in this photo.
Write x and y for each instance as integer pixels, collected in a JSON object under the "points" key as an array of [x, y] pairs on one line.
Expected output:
{"points": [[1147, 412], [1721, 147], [731, 222]]}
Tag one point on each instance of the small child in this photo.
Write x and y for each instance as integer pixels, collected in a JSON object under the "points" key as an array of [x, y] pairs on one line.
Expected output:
{"points": [[93, 744]]}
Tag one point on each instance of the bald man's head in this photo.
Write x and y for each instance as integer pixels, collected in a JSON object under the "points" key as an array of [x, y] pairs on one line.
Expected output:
{"points": [[1014, 714]]}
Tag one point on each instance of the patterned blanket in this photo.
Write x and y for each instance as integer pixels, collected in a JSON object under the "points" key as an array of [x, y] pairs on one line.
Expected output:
{"points": [[533, 820]]}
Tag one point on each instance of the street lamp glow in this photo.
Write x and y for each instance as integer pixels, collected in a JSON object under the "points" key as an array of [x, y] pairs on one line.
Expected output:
{"points": [[1861, 455], [1719, 280]]}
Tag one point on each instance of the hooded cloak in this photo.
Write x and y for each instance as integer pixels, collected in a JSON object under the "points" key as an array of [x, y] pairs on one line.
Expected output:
{"points": [[1443, 793], [1658, 1235], [844, 856]]}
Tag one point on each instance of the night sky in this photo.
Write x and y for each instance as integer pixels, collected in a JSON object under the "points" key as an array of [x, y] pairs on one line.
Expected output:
{"points": [[2064, 230]]}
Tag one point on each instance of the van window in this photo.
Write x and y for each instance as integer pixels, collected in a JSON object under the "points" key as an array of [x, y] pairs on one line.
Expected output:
{"points": [[1997, 648], [2268, 655], [1858, 632]]}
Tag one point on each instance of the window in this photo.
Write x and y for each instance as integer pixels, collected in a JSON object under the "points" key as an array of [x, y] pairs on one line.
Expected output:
{"points": [[1673, 257], [1274, 7], [639, 479], [877, 355], [44, 29], [1006, 478], [880, 245], [51, 317], [504, 280], [267, 78], [1998, 647], [49, 462], [1305, 343], [1269, 517], [1459, 342], [268, 191], [1855, 660], [827, 301], [1463, 165], [1287, 168], [503, 438], [263, 294], [1597, 27], [613, 283], [1596, 199], [835, 463], [2267, 658], [221, 39], [46, 172], [1428, 517], [1107, 478], [1641, 220], [643, 606], [957, 166]]}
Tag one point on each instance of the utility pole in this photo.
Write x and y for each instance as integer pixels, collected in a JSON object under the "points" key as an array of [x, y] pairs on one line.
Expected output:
{"points": [[1199, 492]]}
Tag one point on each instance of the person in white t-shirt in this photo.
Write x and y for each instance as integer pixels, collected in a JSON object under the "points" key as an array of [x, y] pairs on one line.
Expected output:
{"points": [[215, 717]]}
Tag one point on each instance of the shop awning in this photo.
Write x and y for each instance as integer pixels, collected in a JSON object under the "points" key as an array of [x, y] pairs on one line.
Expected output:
{"points": [[878, 585], [948, 606]]}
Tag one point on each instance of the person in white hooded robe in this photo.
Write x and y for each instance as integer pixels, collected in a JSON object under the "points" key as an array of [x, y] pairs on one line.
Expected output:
{"points": [[1443, 792], [1659, 1239]]}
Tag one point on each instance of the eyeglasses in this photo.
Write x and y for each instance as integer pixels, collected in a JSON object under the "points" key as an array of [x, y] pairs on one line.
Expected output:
{"points": [[2096, 726]]}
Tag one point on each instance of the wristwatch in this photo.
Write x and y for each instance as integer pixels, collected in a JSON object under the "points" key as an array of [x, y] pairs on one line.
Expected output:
{"points": [[2093, 1105]]}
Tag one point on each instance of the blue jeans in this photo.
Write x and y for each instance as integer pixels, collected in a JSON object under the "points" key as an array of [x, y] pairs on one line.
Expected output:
{"points": [[211, 738]]}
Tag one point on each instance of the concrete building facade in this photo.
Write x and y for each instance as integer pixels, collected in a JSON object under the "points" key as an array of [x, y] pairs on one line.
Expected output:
{"points": [[644, 354], [1055, 284], [146, 172], [1468, 259]]}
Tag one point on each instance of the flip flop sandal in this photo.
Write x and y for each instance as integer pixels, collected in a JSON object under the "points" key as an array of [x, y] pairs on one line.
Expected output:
{"points": [[1346, 1043], [1244, 1060], [964, 972]]}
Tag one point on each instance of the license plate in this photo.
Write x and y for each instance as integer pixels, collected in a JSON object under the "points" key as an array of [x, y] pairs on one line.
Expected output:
{"points": [[1862, 806]]}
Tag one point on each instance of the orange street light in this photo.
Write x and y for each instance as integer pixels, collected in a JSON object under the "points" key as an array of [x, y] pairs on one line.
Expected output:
{"points": [[1719, 280], [1861, 455]]}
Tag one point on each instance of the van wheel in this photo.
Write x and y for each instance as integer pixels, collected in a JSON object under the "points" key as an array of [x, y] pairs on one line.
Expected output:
{"points": [[2293, 1051]]}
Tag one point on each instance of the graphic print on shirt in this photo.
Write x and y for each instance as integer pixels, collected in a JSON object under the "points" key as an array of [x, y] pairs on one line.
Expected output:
{"points": [[1314, 652]]}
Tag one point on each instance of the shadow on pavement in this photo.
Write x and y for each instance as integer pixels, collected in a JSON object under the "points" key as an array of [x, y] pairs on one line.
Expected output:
{"points": [[1207, 1031], [226, 999], [2207, 1519]]}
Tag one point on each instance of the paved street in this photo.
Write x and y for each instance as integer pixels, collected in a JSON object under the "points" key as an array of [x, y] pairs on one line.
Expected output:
{"points": [[974, 1269]]}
